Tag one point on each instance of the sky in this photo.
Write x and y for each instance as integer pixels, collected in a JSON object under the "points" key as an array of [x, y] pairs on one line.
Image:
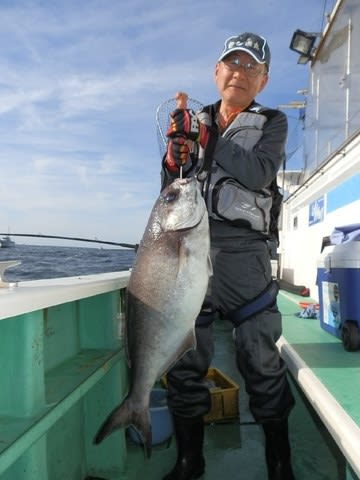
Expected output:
{"points": [[80, 83]]}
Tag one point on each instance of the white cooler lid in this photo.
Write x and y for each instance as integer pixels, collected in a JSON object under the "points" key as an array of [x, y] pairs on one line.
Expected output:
{"points": [[344, 255]]}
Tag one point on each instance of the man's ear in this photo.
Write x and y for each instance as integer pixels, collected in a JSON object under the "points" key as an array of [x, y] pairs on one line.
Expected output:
{"points": [[216, 69], [263, 82]]}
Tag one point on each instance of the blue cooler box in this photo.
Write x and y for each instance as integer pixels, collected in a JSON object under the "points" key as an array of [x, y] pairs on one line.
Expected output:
{"points": [[338, 281]]}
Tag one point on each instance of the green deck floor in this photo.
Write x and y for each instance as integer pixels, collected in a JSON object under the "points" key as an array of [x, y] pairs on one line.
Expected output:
{"points": [[237, 449], [337, 369]]}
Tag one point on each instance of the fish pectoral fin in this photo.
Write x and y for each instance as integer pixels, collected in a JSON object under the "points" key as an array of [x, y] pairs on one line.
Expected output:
{"points": [[183, 254]]}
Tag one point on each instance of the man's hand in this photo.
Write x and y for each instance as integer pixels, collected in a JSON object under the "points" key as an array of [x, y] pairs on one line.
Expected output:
{"points": [[178, 155], [184, 123]]}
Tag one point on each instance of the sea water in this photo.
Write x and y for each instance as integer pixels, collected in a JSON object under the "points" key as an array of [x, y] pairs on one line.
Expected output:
{"points": [[42, 261]]}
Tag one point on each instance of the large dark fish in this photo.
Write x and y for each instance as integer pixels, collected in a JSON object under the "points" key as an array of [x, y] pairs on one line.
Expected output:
{"points": [[166, 289]]}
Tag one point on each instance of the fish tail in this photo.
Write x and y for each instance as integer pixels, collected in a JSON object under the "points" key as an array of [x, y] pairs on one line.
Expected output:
{"points": [[143, 427], [123, 416]]}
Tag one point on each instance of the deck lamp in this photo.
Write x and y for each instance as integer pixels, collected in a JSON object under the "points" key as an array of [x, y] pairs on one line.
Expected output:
{"points": [[303, 43]]}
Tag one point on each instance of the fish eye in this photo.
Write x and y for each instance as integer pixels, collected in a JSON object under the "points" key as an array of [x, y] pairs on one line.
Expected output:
{"points": [[171, 197]]}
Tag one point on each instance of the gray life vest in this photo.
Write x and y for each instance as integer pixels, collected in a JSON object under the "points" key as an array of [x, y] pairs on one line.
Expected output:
{"points": [[226, 198]]}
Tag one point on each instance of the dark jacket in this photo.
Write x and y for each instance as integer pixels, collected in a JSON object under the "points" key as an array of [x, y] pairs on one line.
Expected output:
{"points": [[251, 150]]}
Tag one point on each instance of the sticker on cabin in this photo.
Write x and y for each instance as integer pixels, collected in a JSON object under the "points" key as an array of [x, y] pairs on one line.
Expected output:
{"points": [[331, 304], [316, 211]]}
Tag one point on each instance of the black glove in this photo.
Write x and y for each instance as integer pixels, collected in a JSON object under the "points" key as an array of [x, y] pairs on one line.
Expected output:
{"points": [[178, 155], [184, 123]]}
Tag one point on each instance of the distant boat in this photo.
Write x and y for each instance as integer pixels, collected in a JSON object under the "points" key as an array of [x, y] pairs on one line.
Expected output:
{"points": [[6, 242]]}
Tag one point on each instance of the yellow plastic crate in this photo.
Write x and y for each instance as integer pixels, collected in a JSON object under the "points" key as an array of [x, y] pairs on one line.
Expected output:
{"points": [[224, 396]]}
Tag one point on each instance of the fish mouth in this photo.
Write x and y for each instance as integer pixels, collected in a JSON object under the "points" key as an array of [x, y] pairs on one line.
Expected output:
{"points": [[184, 181]]}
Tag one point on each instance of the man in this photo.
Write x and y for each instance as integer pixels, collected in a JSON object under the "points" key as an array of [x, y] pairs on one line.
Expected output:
{"points": [[244, 148]]}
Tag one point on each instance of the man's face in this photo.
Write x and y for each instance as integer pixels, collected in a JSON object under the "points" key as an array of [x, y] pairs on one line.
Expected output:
{"points": [[238, 84]]}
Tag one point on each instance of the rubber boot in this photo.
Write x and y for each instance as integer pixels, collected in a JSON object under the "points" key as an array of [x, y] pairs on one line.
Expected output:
{"points": [[190, 463], [277, 450]]}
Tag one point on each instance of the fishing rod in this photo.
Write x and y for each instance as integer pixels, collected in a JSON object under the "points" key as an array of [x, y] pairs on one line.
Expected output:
{"points": [[78, 239]]}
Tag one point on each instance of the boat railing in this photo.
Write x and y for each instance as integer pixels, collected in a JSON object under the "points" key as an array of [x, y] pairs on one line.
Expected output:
{"points": [[63, 370]]}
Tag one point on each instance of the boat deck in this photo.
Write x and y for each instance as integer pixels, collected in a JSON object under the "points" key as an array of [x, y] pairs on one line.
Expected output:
{"points": [[237, 448]]}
